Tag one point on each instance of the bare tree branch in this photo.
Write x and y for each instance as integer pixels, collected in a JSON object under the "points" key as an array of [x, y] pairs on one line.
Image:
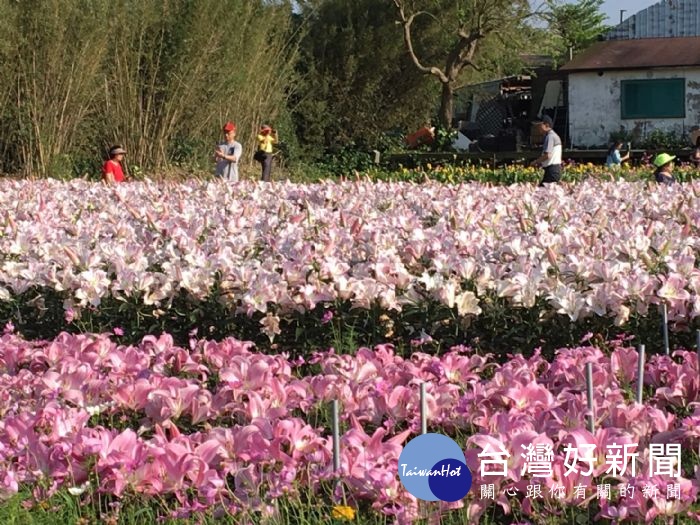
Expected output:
{"points": [[475, 21], [462, 55], [406, 23]]}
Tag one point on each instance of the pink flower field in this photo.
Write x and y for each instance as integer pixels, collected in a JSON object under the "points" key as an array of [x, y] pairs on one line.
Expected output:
{"points": [[171, 352], [223, 429], [593, 249]]}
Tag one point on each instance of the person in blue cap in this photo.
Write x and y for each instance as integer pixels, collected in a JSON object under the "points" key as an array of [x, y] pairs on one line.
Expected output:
{"points": [[550, 160], [664, 168]]}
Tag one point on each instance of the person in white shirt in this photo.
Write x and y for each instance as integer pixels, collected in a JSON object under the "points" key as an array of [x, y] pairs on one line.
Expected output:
{"points": [[550, 160], [227, 154]]}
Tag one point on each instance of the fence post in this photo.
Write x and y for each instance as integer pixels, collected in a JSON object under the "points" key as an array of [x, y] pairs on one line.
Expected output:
{"points": [[667, 348], [640, 373], [336, 437], [423, 411], [589, 393]]}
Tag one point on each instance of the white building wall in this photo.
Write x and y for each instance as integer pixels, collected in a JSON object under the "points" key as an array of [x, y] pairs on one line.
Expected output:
{"points": [[595, 109]]}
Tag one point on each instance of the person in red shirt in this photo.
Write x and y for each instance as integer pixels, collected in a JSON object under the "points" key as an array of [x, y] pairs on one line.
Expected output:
{"points": [[112, 169]]}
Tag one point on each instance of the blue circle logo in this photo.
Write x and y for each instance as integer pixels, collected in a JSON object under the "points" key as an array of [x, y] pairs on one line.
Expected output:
{"points": [[432, 467]]}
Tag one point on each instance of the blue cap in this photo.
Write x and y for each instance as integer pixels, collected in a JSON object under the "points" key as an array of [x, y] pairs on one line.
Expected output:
{"points": [[545, 119]]}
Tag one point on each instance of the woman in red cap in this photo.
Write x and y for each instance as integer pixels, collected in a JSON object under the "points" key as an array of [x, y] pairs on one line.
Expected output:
{"points": [[112, 171], [266, 138]]}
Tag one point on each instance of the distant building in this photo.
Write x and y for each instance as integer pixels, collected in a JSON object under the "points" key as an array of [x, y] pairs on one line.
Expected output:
{"points": [[644, 77], [666, 19]]}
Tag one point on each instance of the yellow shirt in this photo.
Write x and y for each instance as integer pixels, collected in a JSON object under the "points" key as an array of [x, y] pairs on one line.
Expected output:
{"points": [[265, 143]]}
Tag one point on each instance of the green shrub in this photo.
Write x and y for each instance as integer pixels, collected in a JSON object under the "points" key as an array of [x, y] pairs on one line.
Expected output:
{"points": [[501, 327]]}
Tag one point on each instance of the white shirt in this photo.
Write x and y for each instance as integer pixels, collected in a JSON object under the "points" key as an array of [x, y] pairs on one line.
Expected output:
{"points": [[552, 145], [224, 168]]}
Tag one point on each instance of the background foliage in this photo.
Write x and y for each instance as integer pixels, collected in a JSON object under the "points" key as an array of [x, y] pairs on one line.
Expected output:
{"points": [[574, 25], [357, 79], [160, 77]]}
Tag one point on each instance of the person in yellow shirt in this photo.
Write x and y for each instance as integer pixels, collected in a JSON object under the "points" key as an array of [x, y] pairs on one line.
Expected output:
{"points": [[266, 138]]}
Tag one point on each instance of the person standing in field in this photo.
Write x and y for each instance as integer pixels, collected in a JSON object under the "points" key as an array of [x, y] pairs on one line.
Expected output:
{"points": [[695, 156], [266, 138], [550, 160], [112, 171], [615, 158], [664, 169], [227, 154]]}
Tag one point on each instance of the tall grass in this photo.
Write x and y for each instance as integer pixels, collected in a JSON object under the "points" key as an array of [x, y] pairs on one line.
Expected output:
{"points": [[157, 76]]}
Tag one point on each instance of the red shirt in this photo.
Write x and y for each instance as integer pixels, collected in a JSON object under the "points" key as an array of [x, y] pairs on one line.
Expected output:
{"points": [[115, 169]]}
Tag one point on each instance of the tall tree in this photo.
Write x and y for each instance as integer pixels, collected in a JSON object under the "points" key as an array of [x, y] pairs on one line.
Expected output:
{"points": [[358, 80], [465, 26], [576, 25]]}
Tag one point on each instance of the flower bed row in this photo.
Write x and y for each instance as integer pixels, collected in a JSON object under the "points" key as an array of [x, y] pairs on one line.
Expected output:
{"points": [[221, 428], [446, 171], [146, 251]]}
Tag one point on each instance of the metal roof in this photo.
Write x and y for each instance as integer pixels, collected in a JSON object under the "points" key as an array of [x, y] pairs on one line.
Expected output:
{"points": [[638, 54], [667, 18]]}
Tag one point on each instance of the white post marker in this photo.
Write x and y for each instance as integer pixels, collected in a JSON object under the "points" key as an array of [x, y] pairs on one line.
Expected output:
{"points": [[667, 348], [423, 411], [336, 437], [640, 373], [589, 393]]}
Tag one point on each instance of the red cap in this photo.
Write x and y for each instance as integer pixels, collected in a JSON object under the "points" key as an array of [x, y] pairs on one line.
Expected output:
{"points": [[229, 126]]}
